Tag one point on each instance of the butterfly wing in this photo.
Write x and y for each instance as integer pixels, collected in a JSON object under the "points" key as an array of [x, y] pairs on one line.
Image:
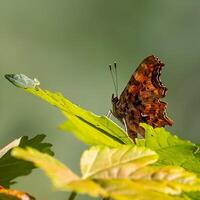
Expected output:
{"points": [[140, 100]]}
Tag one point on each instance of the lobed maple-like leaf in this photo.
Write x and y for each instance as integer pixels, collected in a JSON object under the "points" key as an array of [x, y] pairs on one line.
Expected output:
{"points": [[12, 167], [171, 149]]}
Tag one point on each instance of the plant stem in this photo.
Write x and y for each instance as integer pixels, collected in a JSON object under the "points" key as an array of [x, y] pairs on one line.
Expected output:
{"points": [[72, 196]]}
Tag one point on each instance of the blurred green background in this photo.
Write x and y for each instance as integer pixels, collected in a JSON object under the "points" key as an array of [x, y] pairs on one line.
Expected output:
{"points": [[68, 44]]}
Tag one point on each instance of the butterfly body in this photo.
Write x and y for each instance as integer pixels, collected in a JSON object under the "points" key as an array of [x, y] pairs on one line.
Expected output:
{"points": [[140, 100]]}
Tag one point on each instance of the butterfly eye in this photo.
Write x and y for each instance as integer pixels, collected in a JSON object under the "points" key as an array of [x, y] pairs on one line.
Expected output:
{"points": [[114, 99]]}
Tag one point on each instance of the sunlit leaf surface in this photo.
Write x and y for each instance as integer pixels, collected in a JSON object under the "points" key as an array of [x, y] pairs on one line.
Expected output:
{"points": [[105, 162], [61, 176], [90, 128]]}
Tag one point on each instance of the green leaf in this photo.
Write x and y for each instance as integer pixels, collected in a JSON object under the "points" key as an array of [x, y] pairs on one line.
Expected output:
{"points": [[88, 133], [12, 167], [62, 177], [105, 162], [171, 149], [159, 138], [192, 195], [54, 169], [88, 127], [8, 194]]}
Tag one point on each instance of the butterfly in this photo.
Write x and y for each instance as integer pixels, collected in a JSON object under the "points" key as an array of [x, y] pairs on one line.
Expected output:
{"points": [[140, 100]]}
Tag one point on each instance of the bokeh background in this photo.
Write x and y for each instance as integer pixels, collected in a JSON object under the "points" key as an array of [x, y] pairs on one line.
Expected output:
{"points": [[68, 44]]}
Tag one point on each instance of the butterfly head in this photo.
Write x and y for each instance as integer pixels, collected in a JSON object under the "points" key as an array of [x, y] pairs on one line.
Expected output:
{"points": [[114, 99], [115, 105]]}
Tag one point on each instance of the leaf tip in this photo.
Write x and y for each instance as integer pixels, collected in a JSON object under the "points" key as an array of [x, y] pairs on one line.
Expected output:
{"points": [[22, 81]]}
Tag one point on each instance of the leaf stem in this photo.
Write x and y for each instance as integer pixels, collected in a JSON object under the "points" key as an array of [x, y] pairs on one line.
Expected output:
{"points": [[72, 196]]}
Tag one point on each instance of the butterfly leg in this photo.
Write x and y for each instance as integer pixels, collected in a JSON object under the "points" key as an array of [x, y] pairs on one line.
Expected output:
{"points": [[141, 132], [132, 134], [130, 127], [125, 125], [197, 150], [109, 114]]}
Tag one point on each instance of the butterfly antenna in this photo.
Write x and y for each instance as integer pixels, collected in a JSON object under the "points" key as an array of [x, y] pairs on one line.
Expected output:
{"points": [[114, 83], [116, 78]]}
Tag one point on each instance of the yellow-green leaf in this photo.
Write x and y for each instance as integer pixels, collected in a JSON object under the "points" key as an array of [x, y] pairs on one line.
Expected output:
{"points": [[168, 179], [59, 173], [61, 176], [86, 186], [153, 183], [105, 162], [135, 190], [87, 126]]}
